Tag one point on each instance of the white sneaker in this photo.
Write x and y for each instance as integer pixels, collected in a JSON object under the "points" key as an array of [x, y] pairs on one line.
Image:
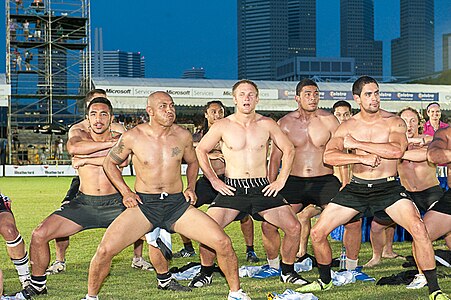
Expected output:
{"points": [[238, 295], [140, 263], [418, 282], [56, 267]]}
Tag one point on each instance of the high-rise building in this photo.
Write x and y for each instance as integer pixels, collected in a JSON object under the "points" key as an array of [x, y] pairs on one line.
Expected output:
{"points": [[262, 37], [115, 63], [413, 52], [302, 27], [446, 51], [266, 36], [194, 73], [357, 37]]}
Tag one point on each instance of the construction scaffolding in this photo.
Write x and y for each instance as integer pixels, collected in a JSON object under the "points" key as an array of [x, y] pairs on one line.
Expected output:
{"points": [[49, 70]]}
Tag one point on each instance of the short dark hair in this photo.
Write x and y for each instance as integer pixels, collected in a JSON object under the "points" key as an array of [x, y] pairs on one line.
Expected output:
{"points": [[89, 95], [207, 106], [341, 103], [242, 81], [304, 82], [101, 100], [357, 86], [432, 103]]}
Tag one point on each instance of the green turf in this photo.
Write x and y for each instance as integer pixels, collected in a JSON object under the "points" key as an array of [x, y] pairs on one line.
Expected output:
{"points": [[35, 198]]}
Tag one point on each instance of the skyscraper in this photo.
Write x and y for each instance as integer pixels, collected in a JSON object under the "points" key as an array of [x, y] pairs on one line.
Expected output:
{"points": [[446, 51], [302, 28], [357, 36], [413, 52], [262, 37], [115, 63]]}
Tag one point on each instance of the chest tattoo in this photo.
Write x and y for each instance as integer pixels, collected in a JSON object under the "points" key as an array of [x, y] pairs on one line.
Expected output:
{"points": [[176, 151]]}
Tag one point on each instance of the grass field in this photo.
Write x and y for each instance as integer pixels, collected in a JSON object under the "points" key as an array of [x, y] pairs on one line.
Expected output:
{"points": [[35, 198]]}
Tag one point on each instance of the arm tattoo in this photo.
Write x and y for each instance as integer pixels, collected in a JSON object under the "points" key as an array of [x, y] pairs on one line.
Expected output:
{"points": [[175, 151], [115, 151]]}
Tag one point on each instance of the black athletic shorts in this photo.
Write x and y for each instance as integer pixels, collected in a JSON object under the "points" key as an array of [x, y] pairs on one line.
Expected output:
{"points": [[248, 197], [371, 197], [311, 190], [424, 199], [163, 210], [206, 194], [205, 191], [444, 204], [92, 211]]}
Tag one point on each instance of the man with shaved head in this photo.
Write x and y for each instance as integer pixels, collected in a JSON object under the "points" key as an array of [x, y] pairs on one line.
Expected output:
{"points": [[158, 148]]}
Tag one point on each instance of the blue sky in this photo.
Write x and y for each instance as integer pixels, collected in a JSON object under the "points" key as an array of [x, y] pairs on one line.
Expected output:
{"points": [[176, 35]]}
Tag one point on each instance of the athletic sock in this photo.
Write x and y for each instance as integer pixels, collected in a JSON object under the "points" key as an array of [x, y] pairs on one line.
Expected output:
{"points": [[324, 273], [249, 248], [188, 246], [21, 265], [164, 279], [351, 264], [431, 278], [87, 297], [286, 268], [38, 282], [274, 263], [207, 270]]}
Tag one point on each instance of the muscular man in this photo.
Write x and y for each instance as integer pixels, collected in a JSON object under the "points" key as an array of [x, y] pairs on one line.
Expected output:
{"points": [[158, 148], [61, 244], [311, 181], [244, 138], [15, 245], [97, 204], [378, 140], [419, 178], [214, 111]]}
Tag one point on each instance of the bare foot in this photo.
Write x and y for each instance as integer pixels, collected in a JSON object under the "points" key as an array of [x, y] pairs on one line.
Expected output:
{"points": [[392, 255], [372, 262]]}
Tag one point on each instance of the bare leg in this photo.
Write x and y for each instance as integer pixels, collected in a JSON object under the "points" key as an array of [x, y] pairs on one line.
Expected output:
{"points": [[377, 238], [305, 218], [116, 238], [52, 227], [158, 261], [388, 248], [352, 239], [138, 248], [61, 245], [271, 240], [213, 239], [247, 227]]}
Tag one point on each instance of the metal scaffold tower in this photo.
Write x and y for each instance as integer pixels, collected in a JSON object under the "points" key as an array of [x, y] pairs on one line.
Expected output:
{"points": [[48, 68]]}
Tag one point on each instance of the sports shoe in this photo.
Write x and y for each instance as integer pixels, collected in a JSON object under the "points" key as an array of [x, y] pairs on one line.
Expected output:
{"points": [[315, 286], [252, 257], [173, 285], [418, 282], [293, 278], [56, 267], [87, 297], [184, 253], [438, 295], [238, 295], [140, 263], [200, 280], [29, 292], [25, 280]]}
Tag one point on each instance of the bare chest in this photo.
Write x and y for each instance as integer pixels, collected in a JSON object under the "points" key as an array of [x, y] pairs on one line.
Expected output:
{"points": [[245, 139], [307, 135]]}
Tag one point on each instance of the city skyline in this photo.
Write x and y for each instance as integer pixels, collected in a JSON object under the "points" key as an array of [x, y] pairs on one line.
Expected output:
{"points": [[183, 35]]}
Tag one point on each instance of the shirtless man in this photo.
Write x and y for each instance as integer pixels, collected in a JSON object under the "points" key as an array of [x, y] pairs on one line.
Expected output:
{"points": [[214, 111], [419, 178], [244, 138], [96, 206], [311, 181], [158, 148], [80, 129], [378, 140]]}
